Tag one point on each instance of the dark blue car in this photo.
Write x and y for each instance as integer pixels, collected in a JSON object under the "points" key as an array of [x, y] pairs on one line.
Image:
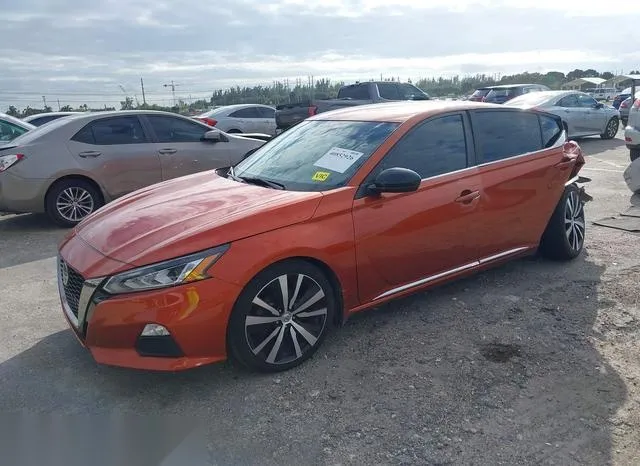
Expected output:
{"points": [[504, 93]]}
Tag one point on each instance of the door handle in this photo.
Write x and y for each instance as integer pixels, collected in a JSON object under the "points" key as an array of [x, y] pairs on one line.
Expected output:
{"points": [[467, 196], [89, 153], [167, 151]]}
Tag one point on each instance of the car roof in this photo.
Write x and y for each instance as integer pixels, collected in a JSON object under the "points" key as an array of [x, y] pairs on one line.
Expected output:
{"points": [[399, 112], [108, 113], [506, 86], [44, 114], [16, 121]]}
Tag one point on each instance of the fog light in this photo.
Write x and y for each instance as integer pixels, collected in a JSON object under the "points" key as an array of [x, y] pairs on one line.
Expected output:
{"points": [[154, 330]]}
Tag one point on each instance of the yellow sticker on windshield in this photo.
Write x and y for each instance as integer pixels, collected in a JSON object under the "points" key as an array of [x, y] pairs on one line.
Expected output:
{"points": [[320, 176]]}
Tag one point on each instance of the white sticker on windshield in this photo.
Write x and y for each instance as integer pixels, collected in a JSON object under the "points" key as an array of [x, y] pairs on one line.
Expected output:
{"points": [[338, 160]]}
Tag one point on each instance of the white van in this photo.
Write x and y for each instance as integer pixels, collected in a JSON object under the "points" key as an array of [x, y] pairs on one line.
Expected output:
{"points": [[604, 93]]}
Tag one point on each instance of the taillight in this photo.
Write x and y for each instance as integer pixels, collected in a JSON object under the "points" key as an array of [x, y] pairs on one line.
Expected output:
{"points": [[312, 110], [7, 160], [636, 104], [209, 121], [624, 104]]}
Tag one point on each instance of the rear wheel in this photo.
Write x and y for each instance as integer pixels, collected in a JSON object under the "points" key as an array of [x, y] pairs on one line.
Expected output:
{"points": [[281, 317], [634, 154], [611, 129], [69, 201], [564, 237]]}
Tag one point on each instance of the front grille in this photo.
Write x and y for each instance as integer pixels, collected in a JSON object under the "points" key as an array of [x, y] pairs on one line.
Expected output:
{"points": [[72, 287]]}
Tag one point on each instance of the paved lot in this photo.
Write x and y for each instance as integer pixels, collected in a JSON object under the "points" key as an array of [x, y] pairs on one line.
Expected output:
{"points": [[531, 363]]}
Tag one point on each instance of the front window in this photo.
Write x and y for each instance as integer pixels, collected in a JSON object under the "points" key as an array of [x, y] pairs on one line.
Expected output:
{"points": [[315, 155]]}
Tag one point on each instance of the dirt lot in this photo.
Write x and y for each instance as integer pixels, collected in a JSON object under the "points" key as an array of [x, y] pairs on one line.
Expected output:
{"points": [[531, 363]]}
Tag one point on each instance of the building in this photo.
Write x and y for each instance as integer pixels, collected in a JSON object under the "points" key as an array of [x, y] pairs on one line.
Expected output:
{"points": [[622, 81], [582, 84]]}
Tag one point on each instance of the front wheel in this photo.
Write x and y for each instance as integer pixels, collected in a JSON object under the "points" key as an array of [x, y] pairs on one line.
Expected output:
{"points": [[564, 236], [281, 317], [70, 201], [611, 129]]}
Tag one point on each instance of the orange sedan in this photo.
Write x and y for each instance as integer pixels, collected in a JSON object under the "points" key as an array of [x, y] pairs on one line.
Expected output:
{"points": [[345, 211]]}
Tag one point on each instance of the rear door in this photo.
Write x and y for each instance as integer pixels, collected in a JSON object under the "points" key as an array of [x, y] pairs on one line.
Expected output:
{"points": [[117, 152], [267, 120], [517, 154], [404, 240], [181, 146]]}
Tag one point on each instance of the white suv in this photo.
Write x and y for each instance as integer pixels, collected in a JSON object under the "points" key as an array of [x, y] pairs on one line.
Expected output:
{"points": [[632, 131]]}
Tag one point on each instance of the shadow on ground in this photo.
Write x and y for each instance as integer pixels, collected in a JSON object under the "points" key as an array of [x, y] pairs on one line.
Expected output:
{"points": [[595, 145], [27, 238], [495, 369]]}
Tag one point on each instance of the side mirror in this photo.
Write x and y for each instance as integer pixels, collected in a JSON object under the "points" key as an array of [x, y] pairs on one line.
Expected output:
{"points": [[395, 180], [214, 135], [598, 106]]}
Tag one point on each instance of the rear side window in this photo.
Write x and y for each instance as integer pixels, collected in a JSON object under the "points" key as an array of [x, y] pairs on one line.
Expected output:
{"points": [[249, 112], [266, 112], [551, 130], [42, 120], [112, 131], [355, 92], [434, 148], [504, 134]]}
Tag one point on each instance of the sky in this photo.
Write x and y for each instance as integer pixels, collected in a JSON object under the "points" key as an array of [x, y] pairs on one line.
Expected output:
{"points": [[79, 52]]}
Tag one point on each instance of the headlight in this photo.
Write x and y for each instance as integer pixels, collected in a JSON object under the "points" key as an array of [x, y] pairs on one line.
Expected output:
{"points": [[173, 272]]}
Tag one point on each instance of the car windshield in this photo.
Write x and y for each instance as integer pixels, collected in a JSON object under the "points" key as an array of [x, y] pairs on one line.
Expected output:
{"points": [[480, 92], [38, 131], [504, 92], [315, 155]]}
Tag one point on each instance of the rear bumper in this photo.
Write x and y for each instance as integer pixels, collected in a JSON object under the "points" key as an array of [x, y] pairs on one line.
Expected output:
{"points": [[20, 195], [632, 137]]}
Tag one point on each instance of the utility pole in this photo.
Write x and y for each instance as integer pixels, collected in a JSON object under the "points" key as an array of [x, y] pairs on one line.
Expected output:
{"points": [[173, 90], [44, 101], [144, 98], [58, 104]]}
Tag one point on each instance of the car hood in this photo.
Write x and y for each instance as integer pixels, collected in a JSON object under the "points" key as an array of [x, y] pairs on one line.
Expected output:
{"points": [[190, 214]]}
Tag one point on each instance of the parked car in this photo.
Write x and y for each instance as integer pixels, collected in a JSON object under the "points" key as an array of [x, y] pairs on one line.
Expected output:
{"points": [[242, 118], [11, 128], [621, 97], [70, 167], [343, 212], [632, 131], [582, 114], [604, 93], [625, 106], [40, 119], [479, 94], [288, 115], [504, 93]]}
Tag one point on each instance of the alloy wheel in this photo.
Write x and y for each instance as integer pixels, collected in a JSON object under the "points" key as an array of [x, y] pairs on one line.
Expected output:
{"points": [[74, 203], [574, 221], [612, 128], [286, 319]]}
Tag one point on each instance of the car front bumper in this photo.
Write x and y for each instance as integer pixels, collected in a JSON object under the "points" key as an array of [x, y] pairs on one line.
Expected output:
{"points": [[110, 327]]}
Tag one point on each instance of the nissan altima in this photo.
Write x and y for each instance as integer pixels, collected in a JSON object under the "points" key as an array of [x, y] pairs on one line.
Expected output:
{"points": [[345, 211]]}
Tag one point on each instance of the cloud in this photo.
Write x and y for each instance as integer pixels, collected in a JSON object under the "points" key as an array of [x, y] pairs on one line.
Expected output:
{"points": [[68, 51]]}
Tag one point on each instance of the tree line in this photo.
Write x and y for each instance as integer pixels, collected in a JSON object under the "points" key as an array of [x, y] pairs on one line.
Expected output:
{"points": [[282, 92]]}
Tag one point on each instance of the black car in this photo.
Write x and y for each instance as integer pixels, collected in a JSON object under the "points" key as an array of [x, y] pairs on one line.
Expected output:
{"points": [[618, 99], [504, 93]]}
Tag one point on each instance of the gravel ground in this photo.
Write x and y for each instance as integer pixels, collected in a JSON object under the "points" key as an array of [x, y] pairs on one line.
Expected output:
{"points": [[534, 362]]}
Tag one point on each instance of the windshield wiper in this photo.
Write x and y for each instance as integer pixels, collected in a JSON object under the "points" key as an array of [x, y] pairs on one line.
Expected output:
{"points": [[260, 181], [254, 180]]}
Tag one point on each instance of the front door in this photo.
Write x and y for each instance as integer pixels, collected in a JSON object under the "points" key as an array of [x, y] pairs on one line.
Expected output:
{"points": [[118, 153], [181, 148], [404, 240], [595, 117]]}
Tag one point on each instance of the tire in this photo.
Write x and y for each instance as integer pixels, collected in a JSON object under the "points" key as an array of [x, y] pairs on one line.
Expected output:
{"points": [[623, 121], [88, 200], [611, 129], [264, 338], [634, 154], [564, 236]]}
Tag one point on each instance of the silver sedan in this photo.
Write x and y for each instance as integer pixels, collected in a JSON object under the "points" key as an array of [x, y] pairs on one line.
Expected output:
{"points": [[583, 115]]}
